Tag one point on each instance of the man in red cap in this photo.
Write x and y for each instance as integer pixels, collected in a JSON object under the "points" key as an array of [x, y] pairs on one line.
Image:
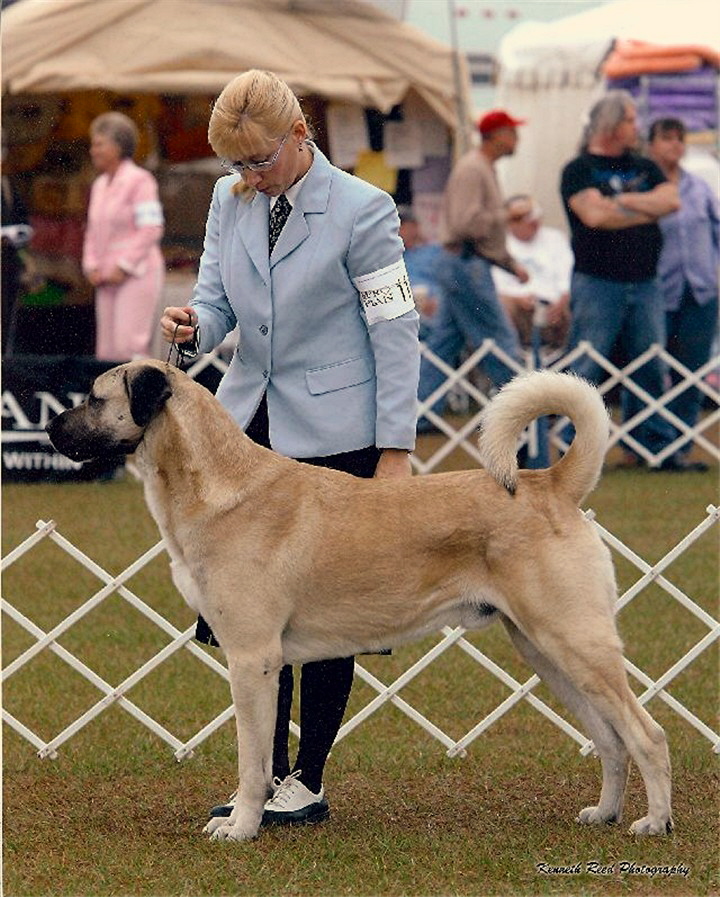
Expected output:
{"points": [[496, 120], [472, 232]]}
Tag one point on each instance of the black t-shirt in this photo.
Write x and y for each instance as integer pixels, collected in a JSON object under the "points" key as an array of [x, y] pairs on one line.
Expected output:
{"points": [[629, 254]]}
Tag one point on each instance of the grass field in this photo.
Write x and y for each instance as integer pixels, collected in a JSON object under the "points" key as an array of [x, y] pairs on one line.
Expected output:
{"points": [[115, 814]]}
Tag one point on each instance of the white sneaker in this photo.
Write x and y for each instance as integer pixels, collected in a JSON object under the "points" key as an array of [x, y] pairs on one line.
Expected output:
{"points": [[294, 804], [224, 809]]}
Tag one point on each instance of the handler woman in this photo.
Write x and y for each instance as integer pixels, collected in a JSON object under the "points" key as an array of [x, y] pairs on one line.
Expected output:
{"points": [[307, 260]]}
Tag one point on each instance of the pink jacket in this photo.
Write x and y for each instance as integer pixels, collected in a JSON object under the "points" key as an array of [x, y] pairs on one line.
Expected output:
{"points": [[125, 222]]}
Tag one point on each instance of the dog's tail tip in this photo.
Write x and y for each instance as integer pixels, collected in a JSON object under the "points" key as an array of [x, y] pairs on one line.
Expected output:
{"points": [[502, 467]]}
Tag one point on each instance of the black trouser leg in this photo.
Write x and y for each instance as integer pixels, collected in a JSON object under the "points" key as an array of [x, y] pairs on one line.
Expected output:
{"points": [[281, 759], [324, 685], [324, 691]]}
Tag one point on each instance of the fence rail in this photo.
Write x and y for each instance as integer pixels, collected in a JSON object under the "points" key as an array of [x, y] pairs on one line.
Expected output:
{"points": [[449, 639], [460, 381]]}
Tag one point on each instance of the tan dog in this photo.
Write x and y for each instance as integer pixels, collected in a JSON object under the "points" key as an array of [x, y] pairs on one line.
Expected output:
{"points": [[290, 563]]}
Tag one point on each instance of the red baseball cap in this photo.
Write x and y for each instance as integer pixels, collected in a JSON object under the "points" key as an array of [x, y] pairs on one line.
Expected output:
{"points": [[498, 118]]}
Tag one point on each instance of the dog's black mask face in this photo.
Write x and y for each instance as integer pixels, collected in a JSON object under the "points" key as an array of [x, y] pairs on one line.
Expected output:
{"points": [[113, 418]]}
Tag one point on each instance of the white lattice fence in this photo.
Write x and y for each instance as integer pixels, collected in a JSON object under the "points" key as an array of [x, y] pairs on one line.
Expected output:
{"points": [[451, 639], [461, 381]]}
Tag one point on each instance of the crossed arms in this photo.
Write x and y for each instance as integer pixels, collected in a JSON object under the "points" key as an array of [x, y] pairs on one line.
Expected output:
{"points": [[625, 209]]}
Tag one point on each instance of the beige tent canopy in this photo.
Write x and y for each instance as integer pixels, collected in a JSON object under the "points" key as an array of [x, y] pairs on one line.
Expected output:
{"points": [[341, 50], [162, 62]]}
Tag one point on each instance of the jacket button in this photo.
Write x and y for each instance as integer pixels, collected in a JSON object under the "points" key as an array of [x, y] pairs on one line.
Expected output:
{"points": [[263, 329]]}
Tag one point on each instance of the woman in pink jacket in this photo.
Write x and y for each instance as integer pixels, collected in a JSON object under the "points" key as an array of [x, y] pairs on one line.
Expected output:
{"points": [[121, 253]]}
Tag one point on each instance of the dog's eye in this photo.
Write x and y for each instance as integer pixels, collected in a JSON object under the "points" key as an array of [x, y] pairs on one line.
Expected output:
{"points": [[93, 401]]}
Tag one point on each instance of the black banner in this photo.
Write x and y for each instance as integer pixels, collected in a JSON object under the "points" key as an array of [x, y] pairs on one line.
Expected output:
{"points": [[35, 389]]}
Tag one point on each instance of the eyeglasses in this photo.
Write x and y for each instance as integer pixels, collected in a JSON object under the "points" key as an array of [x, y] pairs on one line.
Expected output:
{"points": [[241, 167]]}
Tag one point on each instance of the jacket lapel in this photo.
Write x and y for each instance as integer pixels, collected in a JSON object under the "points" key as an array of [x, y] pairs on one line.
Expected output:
{"points": [[253, 232]]}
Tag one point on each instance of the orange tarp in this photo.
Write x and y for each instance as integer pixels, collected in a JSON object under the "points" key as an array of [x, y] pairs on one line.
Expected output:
{"points": [[629, 58]]}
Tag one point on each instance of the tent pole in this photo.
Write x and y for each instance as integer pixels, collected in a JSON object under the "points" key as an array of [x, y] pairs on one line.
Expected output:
{"points": [[462, 144]]}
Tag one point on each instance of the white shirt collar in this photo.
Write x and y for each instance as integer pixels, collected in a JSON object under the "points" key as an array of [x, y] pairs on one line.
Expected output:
{"points": [[292, 192]]}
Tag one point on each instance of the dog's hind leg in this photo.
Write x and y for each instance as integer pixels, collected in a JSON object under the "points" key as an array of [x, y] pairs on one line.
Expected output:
{"points": [[608, 744], [585, 645], [254, 686]]}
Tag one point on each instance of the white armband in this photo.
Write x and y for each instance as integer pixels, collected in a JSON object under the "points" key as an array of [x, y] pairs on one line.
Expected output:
{"points": [[148, 214], [385, 294]]}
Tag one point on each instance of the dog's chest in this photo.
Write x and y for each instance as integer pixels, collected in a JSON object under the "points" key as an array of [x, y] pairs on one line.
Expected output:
{"points": [[186, 585], [160, 507]]}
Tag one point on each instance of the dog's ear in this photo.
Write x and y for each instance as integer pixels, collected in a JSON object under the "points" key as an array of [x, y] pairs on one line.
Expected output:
{"points": [[148, 390]]}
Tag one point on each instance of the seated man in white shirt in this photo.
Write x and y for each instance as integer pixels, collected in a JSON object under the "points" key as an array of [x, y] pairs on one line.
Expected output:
{"points": [[544, 301]]}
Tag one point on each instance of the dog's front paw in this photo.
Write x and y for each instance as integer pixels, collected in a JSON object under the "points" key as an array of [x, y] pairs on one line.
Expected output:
{"points": [[594, 816], [649, 826], [240, 829], [213, 824], [229, 832]]}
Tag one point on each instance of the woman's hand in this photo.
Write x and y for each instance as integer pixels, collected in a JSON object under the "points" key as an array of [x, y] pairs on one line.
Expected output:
{"points": [[117, 276], [113, 279], [172, 316], [393, 463]]}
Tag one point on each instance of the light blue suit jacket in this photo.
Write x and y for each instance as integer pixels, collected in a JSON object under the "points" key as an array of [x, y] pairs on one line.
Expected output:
{"points": [[333, 382]]}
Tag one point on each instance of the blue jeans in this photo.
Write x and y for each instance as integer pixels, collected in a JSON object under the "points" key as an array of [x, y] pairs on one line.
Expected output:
{"points": [[605, 311], [690, 333], [470, 313]]}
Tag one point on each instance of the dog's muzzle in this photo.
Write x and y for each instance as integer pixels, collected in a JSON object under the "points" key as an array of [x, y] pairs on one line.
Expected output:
{"points": [[72, 438]]}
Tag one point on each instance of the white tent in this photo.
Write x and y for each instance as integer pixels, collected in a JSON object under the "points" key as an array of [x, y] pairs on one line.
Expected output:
{"points": [[341, 50], [550, 75]]}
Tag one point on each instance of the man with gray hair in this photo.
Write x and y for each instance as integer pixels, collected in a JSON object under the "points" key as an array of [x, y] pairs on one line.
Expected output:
{"points": [[613, 199]]}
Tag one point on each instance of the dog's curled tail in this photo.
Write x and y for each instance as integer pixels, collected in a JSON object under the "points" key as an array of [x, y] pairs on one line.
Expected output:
{"points": [[533, 395]]}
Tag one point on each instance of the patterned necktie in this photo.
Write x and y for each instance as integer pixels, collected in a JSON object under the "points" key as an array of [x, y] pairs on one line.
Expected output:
{"points": [[278, 216]]}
